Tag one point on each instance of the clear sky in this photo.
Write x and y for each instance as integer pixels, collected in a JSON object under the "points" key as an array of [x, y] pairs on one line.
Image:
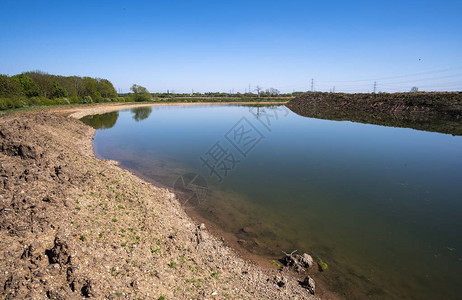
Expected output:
{"points": [[225, 45]]}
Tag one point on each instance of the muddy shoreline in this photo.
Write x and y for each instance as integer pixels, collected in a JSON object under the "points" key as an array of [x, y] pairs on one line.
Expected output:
{"points": [[229, 239], [74, 226]]}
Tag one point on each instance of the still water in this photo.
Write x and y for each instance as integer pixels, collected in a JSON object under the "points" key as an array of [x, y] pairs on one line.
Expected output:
{"points": [[382, 206]]}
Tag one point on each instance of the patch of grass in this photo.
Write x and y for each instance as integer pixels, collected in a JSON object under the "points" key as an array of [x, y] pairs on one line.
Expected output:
{"points": [[82, 238], [114, 220], [162, 297], [172, 265]]}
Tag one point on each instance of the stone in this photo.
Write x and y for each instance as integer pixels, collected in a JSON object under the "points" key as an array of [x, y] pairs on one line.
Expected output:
{"points": [[306, 260], [309, 284]]}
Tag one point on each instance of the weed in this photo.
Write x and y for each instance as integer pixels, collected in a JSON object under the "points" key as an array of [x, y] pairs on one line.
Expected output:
{"points": [[322, 265], [276, 263]]}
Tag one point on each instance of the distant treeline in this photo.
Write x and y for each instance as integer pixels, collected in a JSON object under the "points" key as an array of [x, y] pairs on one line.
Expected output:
{"points": [[263, 94], [39, 88]]}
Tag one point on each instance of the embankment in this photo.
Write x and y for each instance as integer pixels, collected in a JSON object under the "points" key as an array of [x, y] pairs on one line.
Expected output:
{"points": [[437, 112]]}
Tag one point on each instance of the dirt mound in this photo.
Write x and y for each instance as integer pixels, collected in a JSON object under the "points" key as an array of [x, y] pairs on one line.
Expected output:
{"points": [[437, 112]]}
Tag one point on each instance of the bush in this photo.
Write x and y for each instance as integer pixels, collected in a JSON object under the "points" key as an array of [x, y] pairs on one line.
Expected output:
{"points": [[142, 97], [35, 101], [87, 99], [74, 100], [62, 101], [20, 102], [48, 102], [6, 103]]}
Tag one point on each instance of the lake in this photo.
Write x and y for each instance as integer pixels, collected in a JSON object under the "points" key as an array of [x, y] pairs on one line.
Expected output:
{"points": [[382, 206]]}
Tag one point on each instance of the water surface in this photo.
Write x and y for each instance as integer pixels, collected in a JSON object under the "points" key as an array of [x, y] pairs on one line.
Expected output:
{"points": [[382, 206]]}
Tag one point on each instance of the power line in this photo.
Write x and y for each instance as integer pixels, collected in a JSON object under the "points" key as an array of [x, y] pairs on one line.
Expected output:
{"points": [[401, 76]]}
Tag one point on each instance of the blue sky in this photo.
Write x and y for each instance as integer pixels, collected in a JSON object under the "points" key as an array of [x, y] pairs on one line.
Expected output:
{"points": [[225, 45]]}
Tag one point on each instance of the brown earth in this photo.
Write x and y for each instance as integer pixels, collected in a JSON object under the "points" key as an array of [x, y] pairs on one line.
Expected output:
{"points": [[73, 226], [436, 111]]}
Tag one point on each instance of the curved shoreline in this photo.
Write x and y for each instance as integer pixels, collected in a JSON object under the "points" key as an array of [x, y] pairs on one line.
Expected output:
{"points": [[67, 144], [80, 112]]}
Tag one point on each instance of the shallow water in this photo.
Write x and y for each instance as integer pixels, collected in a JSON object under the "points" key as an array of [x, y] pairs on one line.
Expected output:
{"points": [[382, 206]]}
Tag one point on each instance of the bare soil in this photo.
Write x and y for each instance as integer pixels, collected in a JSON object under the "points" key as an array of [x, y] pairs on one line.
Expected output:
{"points": [[73, 226], [427, 111]]}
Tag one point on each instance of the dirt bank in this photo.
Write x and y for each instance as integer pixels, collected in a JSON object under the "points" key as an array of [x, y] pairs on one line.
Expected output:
{"points": [[73, 226], [437, 112]]}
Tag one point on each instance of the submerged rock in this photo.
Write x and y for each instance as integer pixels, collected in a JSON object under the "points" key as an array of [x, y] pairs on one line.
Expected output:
{"points": [[309, 284], [297, 261]]}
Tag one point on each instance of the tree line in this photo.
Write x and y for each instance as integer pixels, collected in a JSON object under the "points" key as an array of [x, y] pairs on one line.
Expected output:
{"points": [[39, 88]]}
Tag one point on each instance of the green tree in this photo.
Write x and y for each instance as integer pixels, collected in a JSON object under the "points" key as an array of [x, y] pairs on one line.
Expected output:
{"points": [[28, 86], [43, 81], [105, 88], [140, 93], [9, 87], [58, 91]]}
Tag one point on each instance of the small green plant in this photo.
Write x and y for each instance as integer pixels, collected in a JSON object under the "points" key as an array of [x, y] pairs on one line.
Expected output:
{"points": [[114, 220], [276, 263], [162, 297], [172, 265], [123, 244], [83, 238], [322, 265]]}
